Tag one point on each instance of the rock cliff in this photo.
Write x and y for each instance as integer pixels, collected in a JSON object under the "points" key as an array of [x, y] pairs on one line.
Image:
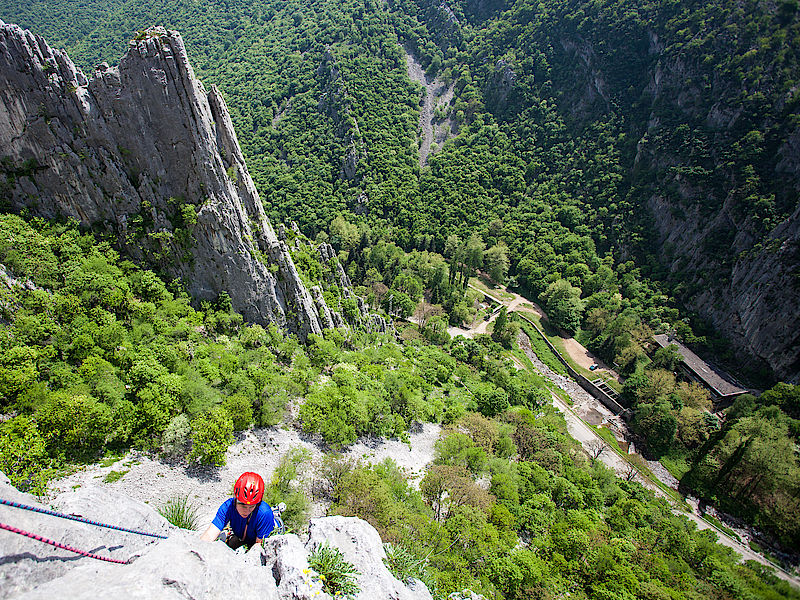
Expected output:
{"points": [[180, 566], [144, 153], [710, 168]]}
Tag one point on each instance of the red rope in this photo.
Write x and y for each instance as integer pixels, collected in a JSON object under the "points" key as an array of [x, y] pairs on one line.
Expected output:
{"points": [[59, 545]]}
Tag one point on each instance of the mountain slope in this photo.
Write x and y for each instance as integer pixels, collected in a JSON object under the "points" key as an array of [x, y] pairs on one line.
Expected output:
{"points": [[143, 153]]}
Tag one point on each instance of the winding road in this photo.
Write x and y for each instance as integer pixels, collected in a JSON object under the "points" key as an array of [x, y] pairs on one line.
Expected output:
{"points": [[584, 433]]}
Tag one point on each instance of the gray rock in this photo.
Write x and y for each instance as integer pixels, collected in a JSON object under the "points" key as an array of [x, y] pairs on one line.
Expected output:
{"points": [[336, 273], [28, 563], [322, 307], [361, 545], [287, 561], [182, 566], [130, 151], [500, 85]]}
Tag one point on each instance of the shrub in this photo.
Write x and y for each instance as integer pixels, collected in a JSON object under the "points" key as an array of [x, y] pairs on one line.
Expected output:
{"points": [[332, 470], [176, 436], [22, 452], [181, 512], [458, 449], [338, 575], [288, 486], [403, 564], [240, 410], [491, 400], [212, 433], [75, 426]]}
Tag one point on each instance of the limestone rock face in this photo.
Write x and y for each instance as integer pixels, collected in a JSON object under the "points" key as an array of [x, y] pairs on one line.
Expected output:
{"points": [[28, 563], [181, 566], [287, 561], [144, 152], [755, 303], [360, 545]]}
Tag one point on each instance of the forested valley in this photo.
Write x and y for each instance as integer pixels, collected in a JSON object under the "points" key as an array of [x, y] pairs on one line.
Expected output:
{"points": [[547, 184]]}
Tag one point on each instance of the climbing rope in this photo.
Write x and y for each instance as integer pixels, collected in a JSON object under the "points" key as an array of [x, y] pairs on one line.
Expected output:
{"points": [[39, 538], [53, 513]]}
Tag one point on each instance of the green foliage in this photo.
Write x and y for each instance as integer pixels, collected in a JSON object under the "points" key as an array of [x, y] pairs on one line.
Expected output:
{"points": [[114, 476], [22, 452], [657, 425], [403, 564], [288, 485], [563, 305], [177, 436], [240, 411], [109, 358], [212, 433], [561, 177], [338, 576], [181, 512], [74, 427]]}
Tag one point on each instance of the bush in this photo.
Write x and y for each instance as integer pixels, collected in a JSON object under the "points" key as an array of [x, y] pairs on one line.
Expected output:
{"points": [[338, 575], [288, 486], [75, 426], [491, 400], [176, 436], [22, 452], [180, 512], [240, 410], [212, 433], [332, 470], [403, 564]]}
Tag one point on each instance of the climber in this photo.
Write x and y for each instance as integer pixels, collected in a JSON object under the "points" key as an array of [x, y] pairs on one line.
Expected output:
{"points": [[251, 520]]}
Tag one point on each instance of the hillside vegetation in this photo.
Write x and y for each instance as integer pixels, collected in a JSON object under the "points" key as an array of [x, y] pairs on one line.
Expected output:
{"points": [[567, 149], [99, 356], [590, 134]]}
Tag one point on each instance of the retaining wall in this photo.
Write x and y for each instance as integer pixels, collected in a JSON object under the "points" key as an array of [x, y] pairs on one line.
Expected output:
{"points": [[587, 385]]}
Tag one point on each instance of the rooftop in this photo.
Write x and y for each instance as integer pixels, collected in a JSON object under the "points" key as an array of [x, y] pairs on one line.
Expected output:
{"points": [[719, 382]]}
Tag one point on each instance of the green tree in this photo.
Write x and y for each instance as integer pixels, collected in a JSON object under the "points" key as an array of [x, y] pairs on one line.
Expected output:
{"points": [[497, 263], [212, 433], [74, 426], [657, 426], [22, 451], [563, 305]]}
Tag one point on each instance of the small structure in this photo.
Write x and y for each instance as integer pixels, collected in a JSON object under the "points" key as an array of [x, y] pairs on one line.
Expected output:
{"points": [[721, 385]]}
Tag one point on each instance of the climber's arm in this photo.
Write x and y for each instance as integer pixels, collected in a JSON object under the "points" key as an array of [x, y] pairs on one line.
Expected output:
{"points": [[210, 534]]}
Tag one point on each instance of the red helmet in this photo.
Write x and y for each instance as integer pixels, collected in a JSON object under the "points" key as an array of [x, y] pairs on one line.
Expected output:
{"points": [[249, 488]]}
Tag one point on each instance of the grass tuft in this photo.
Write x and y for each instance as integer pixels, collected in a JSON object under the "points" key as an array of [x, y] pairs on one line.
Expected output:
{"points": [[114, 476], [180, 512]]}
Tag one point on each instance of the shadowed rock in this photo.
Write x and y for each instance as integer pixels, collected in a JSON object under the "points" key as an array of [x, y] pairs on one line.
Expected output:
{"points": [[143, 152]]}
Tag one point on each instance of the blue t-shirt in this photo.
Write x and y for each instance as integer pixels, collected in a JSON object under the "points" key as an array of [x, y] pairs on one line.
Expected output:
{"points": [[261, 520]]}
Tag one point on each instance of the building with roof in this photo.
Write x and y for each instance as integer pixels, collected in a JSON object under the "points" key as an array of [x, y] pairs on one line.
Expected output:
{"points": [[722, 386]]}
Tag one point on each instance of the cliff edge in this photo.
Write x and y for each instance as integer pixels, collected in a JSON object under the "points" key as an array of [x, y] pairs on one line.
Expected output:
{"points": [[180, 566], [144, 153]]}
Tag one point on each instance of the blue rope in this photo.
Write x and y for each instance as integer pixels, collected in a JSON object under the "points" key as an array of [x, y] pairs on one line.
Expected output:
{"points": [[53, 513]]}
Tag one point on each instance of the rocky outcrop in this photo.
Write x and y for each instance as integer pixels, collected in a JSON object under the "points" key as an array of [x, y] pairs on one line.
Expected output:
{"points": [[180, 566], [335, 102], [753, 301], [361, 546], [143, 152], [500, 85]]}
